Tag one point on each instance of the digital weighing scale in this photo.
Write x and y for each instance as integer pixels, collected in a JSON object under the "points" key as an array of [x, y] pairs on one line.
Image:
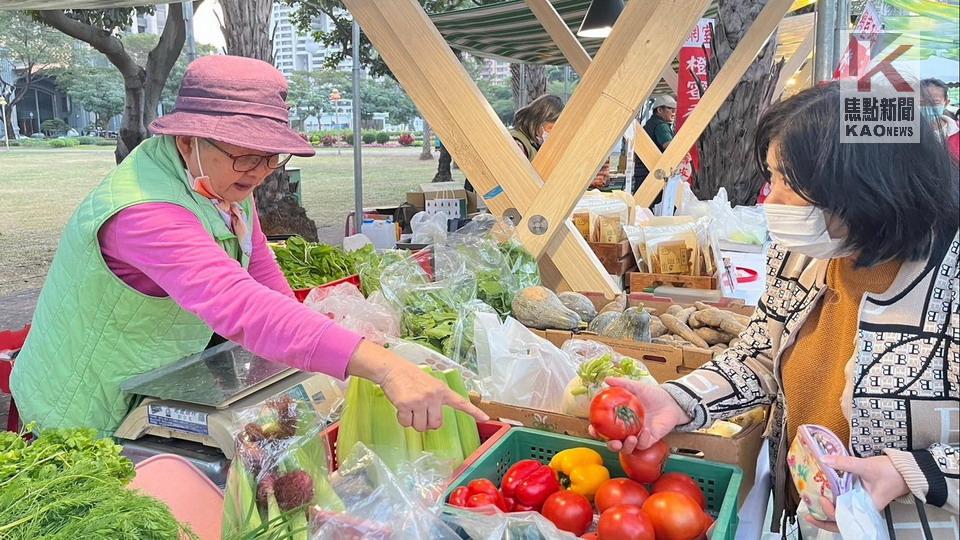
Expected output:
{"points": [[191, 407]]}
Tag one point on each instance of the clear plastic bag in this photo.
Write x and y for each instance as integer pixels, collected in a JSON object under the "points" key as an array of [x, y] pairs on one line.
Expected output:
{"points": [[280, 470], [429, 228], [384, 503], [518, 367], [857, 517], [742, 225], [597, 361], [464, 352], [499, 526], [345, 304]]}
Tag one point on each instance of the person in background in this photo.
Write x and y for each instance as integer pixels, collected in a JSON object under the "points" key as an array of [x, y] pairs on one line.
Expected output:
{"points": [[168, 250], [934, 102], [659, 128], [858, 328], [533, 123]]}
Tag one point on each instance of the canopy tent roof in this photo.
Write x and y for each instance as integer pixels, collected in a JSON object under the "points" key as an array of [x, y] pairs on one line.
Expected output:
{"points": [[73, 4], [510, 32]]}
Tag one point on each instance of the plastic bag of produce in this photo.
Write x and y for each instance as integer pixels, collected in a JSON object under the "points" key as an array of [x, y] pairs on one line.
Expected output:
{"points": [[418, 354], [428, 308], [742, 225], [497, 526], [346, 305], [385, 503], [463, 350], [518, 367], [429, 228], [370, 265], [597, 361], [279, 472]]}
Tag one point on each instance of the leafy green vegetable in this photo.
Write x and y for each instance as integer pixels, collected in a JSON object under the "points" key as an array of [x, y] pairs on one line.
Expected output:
{"points": [[307, 264], [524, 267], [69, 484], [370, 266]]}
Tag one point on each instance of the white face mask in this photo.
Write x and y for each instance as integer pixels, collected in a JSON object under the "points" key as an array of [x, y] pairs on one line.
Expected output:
{"points": [[803, 229]]}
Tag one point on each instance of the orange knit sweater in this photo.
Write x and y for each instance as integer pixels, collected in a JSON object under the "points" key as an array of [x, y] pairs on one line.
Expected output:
{"points": [[813, 369]]}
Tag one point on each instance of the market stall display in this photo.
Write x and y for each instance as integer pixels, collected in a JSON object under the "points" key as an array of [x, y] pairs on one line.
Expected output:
{"points": [[308, 264]]}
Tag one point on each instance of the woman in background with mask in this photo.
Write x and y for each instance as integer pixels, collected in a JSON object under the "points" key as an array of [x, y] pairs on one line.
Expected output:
{"points": [[858, 328], [533, 123]]}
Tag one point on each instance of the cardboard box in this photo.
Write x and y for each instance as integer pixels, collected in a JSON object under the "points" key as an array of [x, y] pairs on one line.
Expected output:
{"points": [[416, 199]]}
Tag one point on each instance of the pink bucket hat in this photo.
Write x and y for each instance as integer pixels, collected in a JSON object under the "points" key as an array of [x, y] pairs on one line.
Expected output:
{"points": [[236, 100]]}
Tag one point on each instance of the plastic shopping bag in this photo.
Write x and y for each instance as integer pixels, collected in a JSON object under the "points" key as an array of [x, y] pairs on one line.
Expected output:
{"points": [[857, 518]]}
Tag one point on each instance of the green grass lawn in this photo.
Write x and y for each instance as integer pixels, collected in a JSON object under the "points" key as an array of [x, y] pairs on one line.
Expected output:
{"points": [[40, 188]]}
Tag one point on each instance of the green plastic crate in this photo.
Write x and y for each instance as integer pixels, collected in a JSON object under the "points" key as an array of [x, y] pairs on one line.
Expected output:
{"points": [[720, 482]]}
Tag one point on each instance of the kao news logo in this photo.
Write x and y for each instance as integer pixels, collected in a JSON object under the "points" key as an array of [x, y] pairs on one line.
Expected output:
{"points": [[880, 105]]}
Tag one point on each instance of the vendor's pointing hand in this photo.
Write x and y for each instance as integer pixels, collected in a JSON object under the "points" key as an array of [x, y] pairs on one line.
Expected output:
{"points": [[662, 415], [418, 397]]}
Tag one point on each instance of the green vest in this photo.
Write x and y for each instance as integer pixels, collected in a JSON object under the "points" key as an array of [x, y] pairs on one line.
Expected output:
{"points": [[525, 141], [90, 330]]}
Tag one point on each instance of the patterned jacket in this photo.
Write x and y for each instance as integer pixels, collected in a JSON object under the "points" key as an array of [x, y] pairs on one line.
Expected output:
{"points": [[902, 383]]}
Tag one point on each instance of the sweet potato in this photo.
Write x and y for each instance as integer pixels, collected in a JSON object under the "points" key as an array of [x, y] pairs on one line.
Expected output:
{"points": [[713, 336], [721, 320], [680, 328], [657, 328], [694, 322]]}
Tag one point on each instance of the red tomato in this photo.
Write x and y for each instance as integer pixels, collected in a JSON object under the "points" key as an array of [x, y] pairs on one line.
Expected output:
{"points": [[674, 516], [625, 522], [645, 466], [707, 523], [615, 413], [681, 483], [590, 536], [619, 491], [459, 497], [569, 511]]}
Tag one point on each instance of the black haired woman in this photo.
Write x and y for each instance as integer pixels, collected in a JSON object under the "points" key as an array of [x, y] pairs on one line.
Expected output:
{"points": [[858, 328]]}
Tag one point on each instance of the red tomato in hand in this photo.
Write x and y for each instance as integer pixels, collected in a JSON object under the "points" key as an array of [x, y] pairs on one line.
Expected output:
{"points": [[625, 522], [590, 536], [619, 491], [645, 466], [615, 414], [569, 511], [681, 483], [674, 516]]}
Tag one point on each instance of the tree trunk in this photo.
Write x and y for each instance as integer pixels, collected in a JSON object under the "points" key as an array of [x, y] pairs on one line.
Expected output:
{"points": [[142, 85], [726, 146], [246, 33], [427, 151], [536, 83], [443, 166]]}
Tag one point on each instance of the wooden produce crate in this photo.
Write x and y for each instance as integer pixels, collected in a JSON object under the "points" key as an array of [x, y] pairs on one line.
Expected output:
{"points": [[617, 258], [642, 281]]}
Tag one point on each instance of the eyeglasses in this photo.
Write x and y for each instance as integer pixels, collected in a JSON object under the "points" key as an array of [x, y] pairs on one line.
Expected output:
{"points": [[249, 162]]}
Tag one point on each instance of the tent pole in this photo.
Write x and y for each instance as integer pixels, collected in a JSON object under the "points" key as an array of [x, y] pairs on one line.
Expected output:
{"points": [[357, 140], [566, 83], [841, 31], [523, 85], [823, 50]]}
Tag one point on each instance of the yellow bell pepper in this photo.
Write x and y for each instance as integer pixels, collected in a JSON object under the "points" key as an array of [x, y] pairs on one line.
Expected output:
{"points": [[580, 470]]}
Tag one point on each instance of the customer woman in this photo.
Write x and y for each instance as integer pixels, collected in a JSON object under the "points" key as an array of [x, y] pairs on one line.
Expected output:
{"points": [[168, 250], [532, 124], [858, 328]]}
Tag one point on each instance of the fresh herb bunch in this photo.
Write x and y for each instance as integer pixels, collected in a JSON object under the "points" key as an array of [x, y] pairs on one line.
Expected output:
{"points": [[307, 264], [69, 484]]}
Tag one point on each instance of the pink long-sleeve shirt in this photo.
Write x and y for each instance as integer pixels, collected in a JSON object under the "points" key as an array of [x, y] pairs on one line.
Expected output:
{"points": [[161, 249]]}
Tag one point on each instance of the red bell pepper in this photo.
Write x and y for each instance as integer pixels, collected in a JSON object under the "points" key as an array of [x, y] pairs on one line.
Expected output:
{"points": [[528, 483], [477, 493]]}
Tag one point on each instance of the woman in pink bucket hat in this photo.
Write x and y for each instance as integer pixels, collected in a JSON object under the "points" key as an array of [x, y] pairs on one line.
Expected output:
{"points": [[167, 252]]}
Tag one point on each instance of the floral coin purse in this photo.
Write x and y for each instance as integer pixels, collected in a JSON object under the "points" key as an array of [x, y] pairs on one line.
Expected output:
{"points": [[811, 476]]}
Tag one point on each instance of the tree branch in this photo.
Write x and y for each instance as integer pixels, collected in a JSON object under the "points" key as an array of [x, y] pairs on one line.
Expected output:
{"points": [[99, 39], [163, 57]]}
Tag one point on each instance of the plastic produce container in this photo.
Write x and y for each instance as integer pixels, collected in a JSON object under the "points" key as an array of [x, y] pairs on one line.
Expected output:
{"points": [[720, 482]]}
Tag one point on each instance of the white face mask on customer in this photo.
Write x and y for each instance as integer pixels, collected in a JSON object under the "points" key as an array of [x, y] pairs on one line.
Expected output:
{"points": [[803, 229]]}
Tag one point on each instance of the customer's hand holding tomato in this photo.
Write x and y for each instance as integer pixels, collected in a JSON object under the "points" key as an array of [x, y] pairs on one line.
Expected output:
{"points": [[661, 415]]}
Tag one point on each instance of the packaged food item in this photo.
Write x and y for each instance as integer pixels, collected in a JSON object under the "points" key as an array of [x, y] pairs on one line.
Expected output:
{"points": [[675, 258], [581, 220], [611, 229], [811, 476]]}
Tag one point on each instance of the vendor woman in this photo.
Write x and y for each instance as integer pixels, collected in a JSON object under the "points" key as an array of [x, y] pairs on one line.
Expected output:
{"points": [[168, 250], [858, 328]]}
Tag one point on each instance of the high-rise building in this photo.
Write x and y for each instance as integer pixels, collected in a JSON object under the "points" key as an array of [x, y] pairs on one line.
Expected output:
{"points": [[296, 52], [150, 24], [494, 70]]}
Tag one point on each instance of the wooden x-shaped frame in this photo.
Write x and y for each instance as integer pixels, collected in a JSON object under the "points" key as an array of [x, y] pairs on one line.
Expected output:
{"points": [[543, 193]]}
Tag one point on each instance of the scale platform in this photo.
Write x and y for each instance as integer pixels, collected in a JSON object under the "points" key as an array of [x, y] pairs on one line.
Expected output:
{"points": [[198, 398]]}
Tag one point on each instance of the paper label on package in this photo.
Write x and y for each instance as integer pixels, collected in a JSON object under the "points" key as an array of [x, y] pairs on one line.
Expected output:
{"points": [[177, 419]]}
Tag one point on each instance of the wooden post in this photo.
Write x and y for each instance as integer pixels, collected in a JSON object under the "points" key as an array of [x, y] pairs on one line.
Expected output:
{"points": [[718, 91], [443, 91], [624, 72], [792, 65]]}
